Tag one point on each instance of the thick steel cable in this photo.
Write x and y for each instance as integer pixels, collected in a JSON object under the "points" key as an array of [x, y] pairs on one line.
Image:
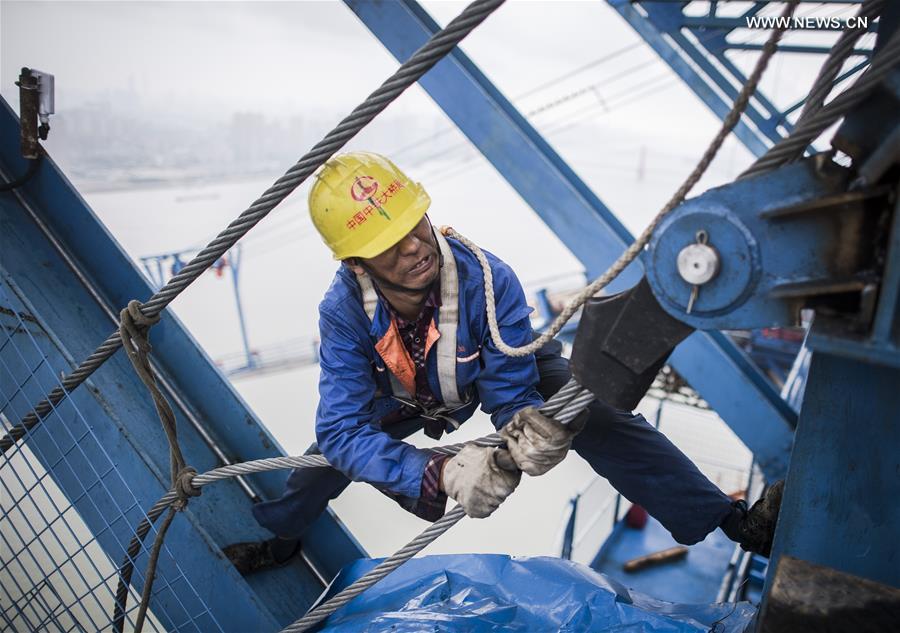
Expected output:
{"points": [[631, 253], [417, 544], [807, 131], [836, 57], [407, 74], [126, 569], [378, 572], [571, 394]]}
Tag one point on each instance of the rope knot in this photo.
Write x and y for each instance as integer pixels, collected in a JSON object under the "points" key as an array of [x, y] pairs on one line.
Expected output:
{"points": [[136, 315], [133, 327], [184, 487]]}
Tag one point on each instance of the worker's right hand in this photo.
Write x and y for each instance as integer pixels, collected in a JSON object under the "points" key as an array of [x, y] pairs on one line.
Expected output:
{"points": [[536, 442], [475, 481]]}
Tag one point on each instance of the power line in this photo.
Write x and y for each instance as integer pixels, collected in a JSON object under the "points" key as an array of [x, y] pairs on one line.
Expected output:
{"points": [[550, 105], [648, 90], [580, 69], [596, 62]]}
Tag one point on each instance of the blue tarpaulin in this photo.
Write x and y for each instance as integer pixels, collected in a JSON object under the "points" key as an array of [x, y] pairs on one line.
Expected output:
{"points": [[491, 592]]}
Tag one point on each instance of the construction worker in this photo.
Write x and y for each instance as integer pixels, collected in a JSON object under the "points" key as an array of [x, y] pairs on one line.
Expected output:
{"points": [[405, 346]]}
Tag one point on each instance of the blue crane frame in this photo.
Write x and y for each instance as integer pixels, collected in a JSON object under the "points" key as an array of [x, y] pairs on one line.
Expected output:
{"points": [[714, 366], [837, 509], [691, 44]]}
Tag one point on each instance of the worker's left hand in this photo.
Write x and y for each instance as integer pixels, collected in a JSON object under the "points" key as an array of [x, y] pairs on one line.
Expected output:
{"points": [[538, 443]]}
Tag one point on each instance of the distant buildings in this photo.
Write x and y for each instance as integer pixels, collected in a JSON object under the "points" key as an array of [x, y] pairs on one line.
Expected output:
{"points": [[117, 142]]}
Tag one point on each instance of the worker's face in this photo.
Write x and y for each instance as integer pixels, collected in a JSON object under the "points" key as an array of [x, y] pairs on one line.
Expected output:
{"points": [[412, 263]]}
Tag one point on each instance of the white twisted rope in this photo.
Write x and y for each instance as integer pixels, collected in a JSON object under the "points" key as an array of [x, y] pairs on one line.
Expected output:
{"points": [[631, 253]]}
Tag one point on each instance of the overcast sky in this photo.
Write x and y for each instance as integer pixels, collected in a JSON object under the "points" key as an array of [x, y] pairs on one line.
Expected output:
{"points": [[207, 60], [222, 56]]}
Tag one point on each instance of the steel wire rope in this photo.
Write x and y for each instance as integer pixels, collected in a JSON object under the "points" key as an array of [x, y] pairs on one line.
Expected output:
{"points": [[754, 37], [422, 141], [836, 81], [822, 87], [574, 94], [464, 144], [407, 74], [612, 55], [561, 406], [788, 149], [468, 154]]}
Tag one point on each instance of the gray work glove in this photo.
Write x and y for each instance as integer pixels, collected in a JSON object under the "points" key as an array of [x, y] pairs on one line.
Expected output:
{"points": [[473, 479], [538, 443]]}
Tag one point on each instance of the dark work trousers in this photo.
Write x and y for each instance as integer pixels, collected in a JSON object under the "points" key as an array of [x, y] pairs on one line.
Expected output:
{"points": [[638, 460]]}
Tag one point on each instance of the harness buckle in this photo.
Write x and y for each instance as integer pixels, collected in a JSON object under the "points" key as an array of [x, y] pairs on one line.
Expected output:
{"points": [[438, 413]]}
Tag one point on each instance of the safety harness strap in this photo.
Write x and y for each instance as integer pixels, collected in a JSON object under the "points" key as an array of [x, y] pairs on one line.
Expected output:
{"points": [[448, 324]]}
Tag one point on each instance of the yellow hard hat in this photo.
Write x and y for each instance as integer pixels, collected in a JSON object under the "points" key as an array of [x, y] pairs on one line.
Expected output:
{"points": [[362, 204]]}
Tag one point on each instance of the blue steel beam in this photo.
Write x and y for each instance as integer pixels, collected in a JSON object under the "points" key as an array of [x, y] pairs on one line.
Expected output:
{"points": [[840, 500], [724, 376], [74, 274], [842, 485]]}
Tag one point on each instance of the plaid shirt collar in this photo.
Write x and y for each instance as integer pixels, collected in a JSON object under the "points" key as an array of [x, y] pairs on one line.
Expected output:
{"points": [[432, 301]]}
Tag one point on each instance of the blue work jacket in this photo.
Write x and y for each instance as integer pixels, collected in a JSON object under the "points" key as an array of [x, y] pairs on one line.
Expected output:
{"points": [[354, 386]]}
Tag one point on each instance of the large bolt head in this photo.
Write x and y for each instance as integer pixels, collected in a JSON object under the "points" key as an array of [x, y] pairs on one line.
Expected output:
{"points": [[698, 263]]}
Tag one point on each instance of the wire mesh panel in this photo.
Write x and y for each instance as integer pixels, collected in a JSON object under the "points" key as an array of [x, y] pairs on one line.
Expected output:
{"points": [[67, 511]]}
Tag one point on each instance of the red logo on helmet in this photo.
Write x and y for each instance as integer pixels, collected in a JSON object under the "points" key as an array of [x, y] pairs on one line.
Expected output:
{"points": [[363, 188]]}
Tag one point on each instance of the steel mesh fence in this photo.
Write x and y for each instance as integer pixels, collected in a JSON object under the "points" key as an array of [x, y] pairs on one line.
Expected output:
{"points": [[66, 512]]}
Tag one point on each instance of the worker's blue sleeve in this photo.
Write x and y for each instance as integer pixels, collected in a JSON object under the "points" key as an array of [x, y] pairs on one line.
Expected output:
{"points": [[345, 428], [506, 383]]}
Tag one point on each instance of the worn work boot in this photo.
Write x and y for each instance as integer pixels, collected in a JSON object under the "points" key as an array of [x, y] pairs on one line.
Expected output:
{"points": [[256, 556], [754, 529]]}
